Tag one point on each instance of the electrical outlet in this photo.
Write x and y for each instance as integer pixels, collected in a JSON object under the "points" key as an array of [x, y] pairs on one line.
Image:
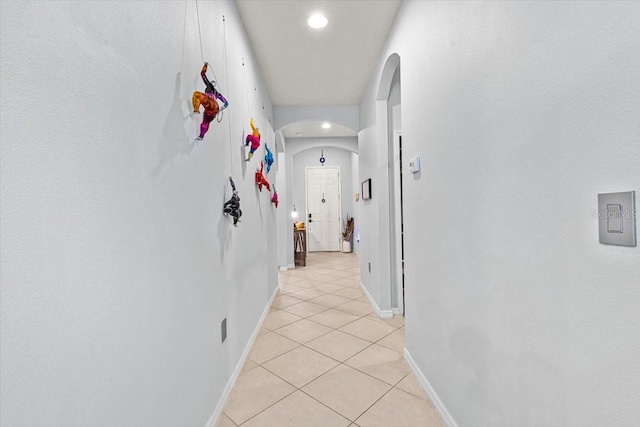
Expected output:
{"points": [[223, 329]]}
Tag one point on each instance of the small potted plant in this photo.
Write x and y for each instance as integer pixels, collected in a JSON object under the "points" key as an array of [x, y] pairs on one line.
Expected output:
{"points": [[346, 235]]}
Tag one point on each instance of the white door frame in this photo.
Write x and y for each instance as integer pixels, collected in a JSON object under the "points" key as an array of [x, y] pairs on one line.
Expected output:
{"points": [[306, 197], [397, 275]]}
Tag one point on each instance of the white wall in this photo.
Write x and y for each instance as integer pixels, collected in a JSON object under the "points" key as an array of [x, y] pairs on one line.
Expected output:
{"points": [[522, 112], [117, 265]]}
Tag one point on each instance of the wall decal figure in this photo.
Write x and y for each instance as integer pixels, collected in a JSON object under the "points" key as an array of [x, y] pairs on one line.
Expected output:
{"points": [[253, 139], [209, 101], [232, 205], [268, 158], [261, 179]]}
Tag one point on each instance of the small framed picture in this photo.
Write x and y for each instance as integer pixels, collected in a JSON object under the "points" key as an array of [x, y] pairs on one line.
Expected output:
{"points": [[366, 189]]}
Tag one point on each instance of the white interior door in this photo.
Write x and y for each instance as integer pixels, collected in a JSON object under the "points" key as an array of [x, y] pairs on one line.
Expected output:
{"points": [[323, 208]]}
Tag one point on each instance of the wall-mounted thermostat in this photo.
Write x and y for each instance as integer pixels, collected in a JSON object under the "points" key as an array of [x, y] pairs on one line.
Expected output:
{"points": [[414, 165], [617, 218]]}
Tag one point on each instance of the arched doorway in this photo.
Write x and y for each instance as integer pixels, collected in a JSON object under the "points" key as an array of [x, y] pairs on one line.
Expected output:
{"points": [[389, 112]]}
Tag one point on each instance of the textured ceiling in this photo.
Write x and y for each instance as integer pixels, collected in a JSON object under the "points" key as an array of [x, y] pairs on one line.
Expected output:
{"points": [[306, 66]]}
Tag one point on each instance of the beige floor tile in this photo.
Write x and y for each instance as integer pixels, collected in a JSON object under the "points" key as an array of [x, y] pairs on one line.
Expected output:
{"points": [[385, 364], [298, 410], [364, 299], [254, 392], [288, 279], [278, 319], [394, 341], [249, 365], [262, 331], [396, 321], [398, 408], [306, 309], [307, 294], [305, 284], [356, 307], [328, 288], [346, 391], [285, 301], [334, 318], [342, 266], [350, 293], [303, 331], [286, 288], [330, 300], [308, 272], [351, 282], [225, 421], [411, 385], [354, 285], [338, 345], [270, 345], [325, 278], [300, 366], [368, 329], [336, 272]]}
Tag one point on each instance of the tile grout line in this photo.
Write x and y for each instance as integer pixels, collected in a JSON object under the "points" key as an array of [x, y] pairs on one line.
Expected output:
{"points": [[339, 363]]}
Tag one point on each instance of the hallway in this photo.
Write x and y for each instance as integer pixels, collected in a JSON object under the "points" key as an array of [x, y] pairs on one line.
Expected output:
{"points": [[487, 153], [324, 358]]}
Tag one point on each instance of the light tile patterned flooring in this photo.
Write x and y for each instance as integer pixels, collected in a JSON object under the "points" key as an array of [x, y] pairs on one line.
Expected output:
{"points": [[323, 358]]}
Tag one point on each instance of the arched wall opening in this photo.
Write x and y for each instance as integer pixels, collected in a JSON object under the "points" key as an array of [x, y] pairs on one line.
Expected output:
{"points": [[387, 123], [302, 152]]}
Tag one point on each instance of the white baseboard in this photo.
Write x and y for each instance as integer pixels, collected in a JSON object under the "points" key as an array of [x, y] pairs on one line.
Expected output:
{"points": [[284, 268], [382, 314], [236, 373], [433, 396], [291, 266]]}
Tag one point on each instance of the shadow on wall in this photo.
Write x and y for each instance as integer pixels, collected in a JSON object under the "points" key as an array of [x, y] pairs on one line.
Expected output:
{"points": [[175, 140], [243, 154], [225, 230], [526, 375]]}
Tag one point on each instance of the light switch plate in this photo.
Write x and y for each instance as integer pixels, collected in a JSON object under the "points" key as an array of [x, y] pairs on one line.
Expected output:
{"points": [[414, 165], [617, 218]]}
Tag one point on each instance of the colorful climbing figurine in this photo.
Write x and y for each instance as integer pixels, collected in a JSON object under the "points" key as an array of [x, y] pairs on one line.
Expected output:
{"points": [[274, 197], [232, 206], [253, 139], [209, 101], [261, 179], [268, 158]]}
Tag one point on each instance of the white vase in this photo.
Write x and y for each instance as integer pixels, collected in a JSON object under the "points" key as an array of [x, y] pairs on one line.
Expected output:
{"points": [[346, 246]]}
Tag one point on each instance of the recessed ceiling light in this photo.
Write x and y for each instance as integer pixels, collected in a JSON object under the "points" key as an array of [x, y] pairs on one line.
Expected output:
{"points": [[326, 125], [317, 21]]}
